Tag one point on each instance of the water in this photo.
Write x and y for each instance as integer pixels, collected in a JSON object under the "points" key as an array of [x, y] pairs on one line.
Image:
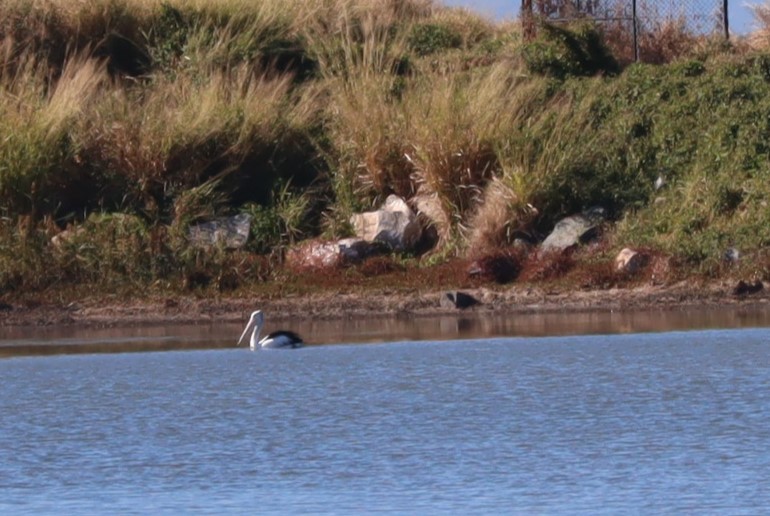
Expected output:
{"points": [[15, 341], [639, 423]]}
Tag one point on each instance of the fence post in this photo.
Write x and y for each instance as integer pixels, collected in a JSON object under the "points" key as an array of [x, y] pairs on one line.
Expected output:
{"points": [[527, 19], [726, 19]]}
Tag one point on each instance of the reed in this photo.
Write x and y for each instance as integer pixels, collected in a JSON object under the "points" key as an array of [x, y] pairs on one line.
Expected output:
{"points": [[38, 156]]}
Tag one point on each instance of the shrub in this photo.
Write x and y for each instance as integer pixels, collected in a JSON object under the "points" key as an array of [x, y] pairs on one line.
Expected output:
{"points": [[111, 249], [563, 51], [430, 38], [167, 37]]}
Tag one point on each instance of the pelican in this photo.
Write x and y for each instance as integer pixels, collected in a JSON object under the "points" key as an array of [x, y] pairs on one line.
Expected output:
{"points": [[278, 339]]}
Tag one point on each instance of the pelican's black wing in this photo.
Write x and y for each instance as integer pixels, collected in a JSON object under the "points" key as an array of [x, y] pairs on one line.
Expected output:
{"points": [[288, 334]]}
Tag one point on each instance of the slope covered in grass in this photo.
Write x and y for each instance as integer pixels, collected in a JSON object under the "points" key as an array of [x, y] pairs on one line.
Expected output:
{"points": [[131, 119]]}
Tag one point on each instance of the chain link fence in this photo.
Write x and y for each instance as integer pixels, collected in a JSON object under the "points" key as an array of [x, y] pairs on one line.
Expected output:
{"points": [[637, 30]]}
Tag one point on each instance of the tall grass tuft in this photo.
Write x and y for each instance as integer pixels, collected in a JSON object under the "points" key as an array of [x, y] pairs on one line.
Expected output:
{"points": [[40, 116], [182, 132], [457, 121]]}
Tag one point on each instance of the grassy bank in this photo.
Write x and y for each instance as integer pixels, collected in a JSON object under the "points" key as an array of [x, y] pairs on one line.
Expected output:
{"points": [[128, 120]]}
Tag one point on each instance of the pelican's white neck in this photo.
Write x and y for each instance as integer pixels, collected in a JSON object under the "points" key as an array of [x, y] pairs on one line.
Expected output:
{"points": [[254, 341], [254, 326]]}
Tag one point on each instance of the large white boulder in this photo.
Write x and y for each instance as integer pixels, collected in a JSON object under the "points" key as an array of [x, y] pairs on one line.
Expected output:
{"points": [[395, 225]]}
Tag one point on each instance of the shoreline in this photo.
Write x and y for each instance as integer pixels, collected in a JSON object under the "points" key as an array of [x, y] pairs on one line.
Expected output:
{"points": [[101, 312]]}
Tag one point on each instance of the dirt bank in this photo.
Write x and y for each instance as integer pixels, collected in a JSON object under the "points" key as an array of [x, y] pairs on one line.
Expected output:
{"points": [[375, 303]]}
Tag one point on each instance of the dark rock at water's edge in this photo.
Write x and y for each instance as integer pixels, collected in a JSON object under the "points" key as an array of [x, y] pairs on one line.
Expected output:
{"points": [[744, 288], [458, 300]]}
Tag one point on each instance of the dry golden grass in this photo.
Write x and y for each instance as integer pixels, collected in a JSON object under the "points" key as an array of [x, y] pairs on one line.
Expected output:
{"points": [[491, 221], [37, 118], [437, 136], [80, 82], [660, 40], [759, 38], [180, 127]]}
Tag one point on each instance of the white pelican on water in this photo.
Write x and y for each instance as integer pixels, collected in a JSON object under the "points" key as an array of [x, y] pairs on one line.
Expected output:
{"points": [[278, 339]]}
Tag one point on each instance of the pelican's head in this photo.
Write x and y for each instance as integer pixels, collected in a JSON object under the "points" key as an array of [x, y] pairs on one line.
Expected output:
{"points": [[254, 326]]}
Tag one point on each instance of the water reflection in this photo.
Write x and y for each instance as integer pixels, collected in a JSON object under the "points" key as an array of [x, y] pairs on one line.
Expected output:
{"points": [[75, 339], [472, 325]]}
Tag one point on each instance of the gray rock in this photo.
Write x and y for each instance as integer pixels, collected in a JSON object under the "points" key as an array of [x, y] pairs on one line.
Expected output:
{"points": [[575, 229], [395, 224], [731, 255], [231, 232], [457, 300], [355, 250]]}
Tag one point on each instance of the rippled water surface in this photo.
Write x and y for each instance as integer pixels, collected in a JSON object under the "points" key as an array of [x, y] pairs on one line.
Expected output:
{"points": [[639, 423]]}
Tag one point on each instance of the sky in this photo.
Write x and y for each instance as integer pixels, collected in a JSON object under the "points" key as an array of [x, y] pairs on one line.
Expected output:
{"points": [[740, 17]]}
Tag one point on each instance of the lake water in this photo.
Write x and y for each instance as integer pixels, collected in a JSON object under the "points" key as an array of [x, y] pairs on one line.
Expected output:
{"points": [[648, 423]]}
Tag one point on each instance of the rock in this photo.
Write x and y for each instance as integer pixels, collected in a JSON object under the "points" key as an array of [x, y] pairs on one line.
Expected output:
{"points": [[232, 232], [744, 289], [394, 224], [660, 183], [354, 250], [575, 229], [314, 255], [523, 241], [629, 261], [731, 255], [457, 300], [324, 255]]}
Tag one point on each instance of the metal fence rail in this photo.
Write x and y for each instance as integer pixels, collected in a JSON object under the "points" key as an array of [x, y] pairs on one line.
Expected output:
{"points": [[631, 26]]}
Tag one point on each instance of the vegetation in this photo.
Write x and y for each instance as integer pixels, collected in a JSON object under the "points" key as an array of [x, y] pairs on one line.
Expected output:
{"points": [[125, 121]]}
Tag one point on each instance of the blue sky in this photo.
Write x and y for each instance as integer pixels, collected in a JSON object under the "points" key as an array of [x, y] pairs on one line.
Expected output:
{"points": [[740, 15]]}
